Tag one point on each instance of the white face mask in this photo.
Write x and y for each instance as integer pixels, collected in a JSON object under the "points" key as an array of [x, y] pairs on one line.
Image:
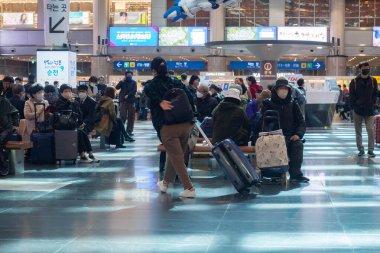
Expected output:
{"points": [[82, 95], [39, 96], [199, 95], [282, 93]]}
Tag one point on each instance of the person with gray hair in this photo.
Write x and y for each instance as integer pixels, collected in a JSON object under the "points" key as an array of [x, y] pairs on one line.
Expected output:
{"points": [[204, 102]]}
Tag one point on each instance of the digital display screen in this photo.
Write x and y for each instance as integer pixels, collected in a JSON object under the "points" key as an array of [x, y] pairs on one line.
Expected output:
{"points": [[182, 36], [79, 18], [134, 36], [130, 18], [18, 19], [376, 36], [318, 34], [251, 33]]}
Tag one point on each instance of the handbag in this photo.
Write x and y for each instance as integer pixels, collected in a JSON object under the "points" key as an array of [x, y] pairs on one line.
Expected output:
{"points": [[45, 126], [65, 120]]}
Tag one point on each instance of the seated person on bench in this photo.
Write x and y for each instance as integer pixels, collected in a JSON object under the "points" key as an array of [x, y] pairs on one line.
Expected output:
{"points": [[230, 120], [9, 118], [292, 124]]}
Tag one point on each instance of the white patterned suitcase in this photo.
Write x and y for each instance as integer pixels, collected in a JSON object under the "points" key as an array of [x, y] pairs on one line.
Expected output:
{"points": [[271, 151]]}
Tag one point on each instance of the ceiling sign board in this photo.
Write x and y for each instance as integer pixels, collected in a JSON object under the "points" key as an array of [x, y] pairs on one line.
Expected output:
{"points": [[56, 22], [268, 70]]}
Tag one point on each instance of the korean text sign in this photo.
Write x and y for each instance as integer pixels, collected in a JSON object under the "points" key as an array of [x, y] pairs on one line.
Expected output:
{"points": [[134, 36]]}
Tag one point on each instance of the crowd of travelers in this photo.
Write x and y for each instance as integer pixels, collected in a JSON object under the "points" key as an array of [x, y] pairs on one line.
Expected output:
{"points": [[235, 113]]}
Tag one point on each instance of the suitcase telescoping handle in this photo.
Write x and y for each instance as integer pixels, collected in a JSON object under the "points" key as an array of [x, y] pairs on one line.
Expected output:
{"points": [[271, 115], [204, 135], [35, 110]]}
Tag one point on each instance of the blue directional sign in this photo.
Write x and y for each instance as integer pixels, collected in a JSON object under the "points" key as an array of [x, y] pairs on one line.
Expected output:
{"points": [[195, 65], [298, 65], [137, 65], [241, 65]]}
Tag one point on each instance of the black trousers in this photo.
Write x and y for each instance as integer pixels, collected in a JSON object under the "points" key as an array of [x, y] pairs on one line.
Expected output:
{"points": [[4, 136], [84, 144], [295, 153]]}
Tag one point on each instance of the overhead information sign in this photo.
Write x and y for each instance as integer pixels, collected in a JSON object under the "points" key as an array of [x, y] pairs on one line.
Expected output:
{"points": [[242, 65], [56, 22], [145, 65], [298, 65]]}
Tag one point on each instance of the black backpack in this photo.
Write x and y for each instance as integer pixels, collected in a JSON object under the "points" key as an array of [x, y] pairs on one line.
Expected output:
{"points": [[182, 111]]}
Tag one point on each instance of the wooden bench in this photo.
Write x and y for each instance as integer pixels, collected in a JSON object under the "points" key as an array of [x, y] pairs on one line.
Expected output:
{"points": [[199, 148], [16, 155]]}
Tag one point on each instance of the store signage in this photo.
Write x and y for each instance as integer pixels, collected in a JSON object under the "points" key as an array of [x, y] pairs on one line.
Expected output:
{"points": [[317, 34], [58, 66], [187, 65], [243, 65], [182, 36], [251, 33], [18, 19], [134, 36], [376, 36], [297, 65], [130, 18], [79, 18], [56, 22], [268, 70], [145, 65], [136, 65]]}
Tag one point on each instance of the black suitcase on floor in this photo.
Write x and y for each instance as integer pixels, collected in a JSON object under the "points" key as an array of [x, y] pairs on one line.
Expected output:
{"points": [[66, 145], [235, 165], [43, 141]]}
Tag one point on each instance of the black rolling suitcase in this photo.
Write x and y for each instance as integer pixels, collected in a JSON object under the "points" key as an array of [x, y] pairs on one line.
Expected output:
{"points": [[66, 145], [43, 141], [235, 165]]}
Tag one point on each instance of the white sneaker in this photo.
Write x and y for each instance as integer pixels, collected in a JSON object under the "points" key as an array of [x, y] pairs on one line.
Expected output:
{"points": [[187, 194], [94, 159], [85, 159], [163, 188]]}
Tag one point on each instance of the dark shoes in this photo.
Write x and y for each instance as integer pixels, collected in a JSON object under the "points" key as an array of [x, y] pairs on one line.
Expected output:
{"points": [[120, 146], [299, 179], [129, 139], [371, 154], [361, 153]]}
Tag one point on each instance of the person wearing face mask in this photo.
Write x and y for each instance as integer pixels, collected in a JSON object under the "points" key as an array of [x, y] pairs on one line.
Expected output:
{"points": [[292, 124], [36, 92], [193, 85], [8, 83], [363, 95], [51, 97], [101, 86], [92, 88], [205, 103], [127, 100], [68, 102], [87, 106], [18, 99]]}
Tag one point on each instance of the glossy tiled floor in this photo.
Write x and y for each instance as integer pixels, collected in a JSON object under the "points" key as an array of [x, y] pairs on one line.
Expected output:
{"points": [[115, 207]]}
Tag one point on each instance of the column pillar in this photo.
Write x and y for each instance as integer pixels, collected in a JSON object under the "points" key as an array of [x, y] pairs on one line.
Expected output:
{"points": [[101, 65], [217, 61], [276, 12], [158, 10], [40, 15], [336, 64]]}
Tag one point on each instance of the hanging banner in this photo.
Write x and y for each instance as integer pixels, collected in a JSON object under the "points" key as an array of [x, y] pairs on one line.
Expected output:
{"points": [[56, 22]]}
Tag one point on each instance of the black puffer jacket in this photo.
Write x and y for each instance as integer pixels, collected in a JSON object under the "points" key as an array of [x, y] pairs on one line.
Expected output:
{"points": [[291, 119], [155, 90], [231, 122]]}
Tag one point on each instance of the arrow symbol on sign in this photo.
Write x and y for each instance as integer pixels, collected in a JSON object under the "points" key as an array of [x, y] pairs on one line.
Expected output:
{"points": [[52, 28], [318, 65], [118, 64]]}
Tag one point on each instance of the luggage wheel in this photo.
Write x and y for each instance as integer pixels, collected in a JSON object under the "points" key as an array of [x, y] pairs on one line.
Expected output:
{"points": [[284, 179], [244, 192]]}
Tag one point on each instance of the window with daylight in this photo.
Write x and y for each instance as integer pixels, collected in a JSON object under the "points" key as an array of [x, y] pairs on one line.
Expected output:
{"points": [[360, 13], [249, 13], [307, 12], [202, 18], [18, 14], [130, 12]]}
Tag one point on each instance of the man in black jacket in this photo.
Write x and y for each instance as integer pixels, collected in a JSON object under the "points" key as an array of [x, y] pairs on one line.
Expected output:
{"points": [[8, 83], [8, 119], [18, 99], [205, 103], [127, 100], [363, 95], [292, 124], [87, 106]]}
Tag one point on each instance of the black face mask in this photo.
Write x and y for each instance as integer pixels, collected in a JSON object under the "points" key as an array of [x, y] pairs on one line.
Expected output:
{"points": [[365, 72]]}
